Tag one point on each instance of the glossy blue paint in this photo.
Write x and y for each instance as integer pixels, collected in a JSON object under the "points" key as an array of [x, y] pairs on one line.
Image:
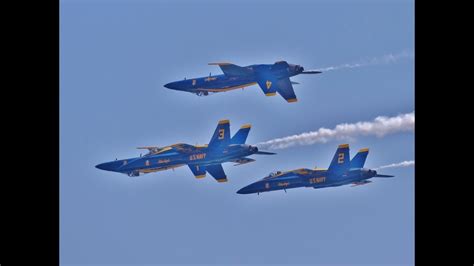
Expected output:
{"points": [[340, 172], [271, 78], [200, 159]]}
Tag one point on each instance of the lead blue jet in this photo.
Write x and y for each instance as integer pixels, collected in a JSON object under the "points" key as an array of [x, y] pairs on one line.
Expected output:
{"points": [[342, 171], [200, 159], [271, 78]]}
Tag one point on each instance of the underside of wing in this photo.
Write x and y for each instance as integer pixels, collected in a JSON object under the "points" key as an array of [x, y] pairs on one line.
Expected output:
{"points": [[199, 171], [233, 70]]}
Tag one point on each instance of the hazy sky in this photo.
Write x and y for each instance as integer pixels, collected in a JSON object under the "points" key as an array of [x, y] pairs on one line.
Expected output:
{"points": [[117, 55]]}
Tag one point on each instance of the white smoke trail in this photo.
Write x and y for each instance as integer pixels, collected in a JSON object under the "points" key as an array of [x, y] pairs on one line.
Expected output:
{"points": [[379, 127], [386, 59], [397, 165]]}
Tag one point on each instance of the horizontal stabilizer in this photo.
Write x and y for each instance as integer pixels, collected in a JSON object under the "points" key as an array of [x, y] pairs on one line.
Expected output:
{"points": [[311, 72], [377, 175], [265, 152]]}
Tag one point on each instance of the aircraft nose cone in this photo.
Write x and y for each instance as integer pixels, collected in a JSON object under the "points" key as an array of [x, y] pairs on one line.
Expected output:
{"points": [[172, 85], [110, 166], [243, 190], [247, 190], [101, 166], [168, 85]]}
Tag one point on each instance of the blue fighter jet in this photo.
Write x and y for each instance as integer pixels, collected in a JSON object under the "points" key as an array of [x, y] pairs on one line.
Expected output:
{"points": [[271, 78], [200, 159], [340, 172]]}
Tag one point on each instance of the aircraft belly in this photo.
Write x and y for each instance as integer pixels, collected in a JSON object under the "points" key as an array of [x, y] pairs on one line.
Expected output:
{"points": [[226, 85]]}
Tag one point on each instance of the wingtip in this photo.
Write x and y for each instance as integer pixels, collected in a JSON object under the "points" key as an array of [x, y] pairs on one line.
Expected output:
{"points": [[246, 126], [293, 100], [224, 121], [343, 146]]}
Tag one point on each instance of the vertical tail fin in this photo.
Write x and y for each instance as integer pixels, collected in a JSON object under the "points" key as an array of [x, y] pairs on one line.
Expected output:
{"points": [[359, 159], [241, 136], [221, 134], [340, 162]]}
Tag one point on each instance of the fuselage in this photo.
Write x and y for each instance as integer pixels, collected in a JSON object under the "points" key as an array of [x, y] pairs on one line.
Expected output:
{"points": [[204, 85], [178, 155], [306, 178]]}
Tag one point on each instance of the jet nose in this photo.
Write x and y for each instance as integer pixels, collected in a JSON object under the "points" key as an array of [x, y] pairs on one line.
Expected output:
{"points": [[248, 189], [101, 166], [110, 166], [172, 85], [168, 85], [243, 190]]}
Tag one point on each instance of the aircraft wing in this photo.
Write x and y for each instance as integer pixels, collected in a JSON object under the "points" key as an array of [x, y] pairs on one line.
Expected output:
{"points": [[271, 85], [199, 171], [233, 70], [217, 172]]}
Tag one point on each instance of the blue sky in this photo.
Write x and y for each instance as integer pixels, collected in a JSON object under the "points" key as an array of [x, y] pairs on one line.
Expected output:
{"points": [[115, 57]]}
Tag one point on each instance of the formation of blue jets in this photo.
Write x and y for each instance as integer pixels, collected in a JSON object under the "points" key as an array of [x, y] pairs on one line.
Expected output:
{"points": [[208, 158]]}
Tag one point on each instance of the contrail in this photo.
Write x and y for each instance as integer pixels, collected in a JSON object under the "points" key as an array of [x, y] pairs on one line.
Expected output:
{"points": [[386, 59], [397, 165], [379, 127]]}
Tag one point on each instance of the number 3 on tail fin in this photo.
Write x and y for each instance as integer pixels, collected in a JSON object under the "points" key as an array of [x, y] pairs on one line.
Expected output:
{"points": [[221, 133]]}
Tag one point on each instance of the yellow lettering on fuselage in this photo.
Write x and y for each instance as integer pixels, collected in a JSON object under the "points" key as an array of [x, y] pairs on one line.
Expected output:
{"points": [[283, 184], [164, 161], [316, 180], [198, 156], [210, 78]]}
